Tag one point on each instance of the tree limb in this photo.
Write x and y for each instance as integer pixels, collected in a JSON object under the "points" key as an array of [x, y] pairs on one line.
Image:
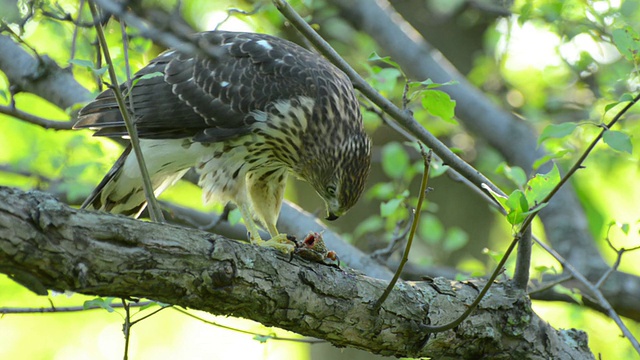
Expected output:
{"points": [[47, 245]]}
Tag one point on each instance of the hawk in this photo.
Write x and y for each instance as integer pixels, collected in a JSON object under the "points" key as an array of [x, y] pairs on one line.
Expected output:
{"points": [[257, 109]]}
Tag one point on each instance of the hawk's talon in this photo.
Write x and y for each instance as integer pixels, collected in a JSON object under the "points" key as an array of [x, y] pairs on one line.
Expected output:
{"points": [[279, 242]]}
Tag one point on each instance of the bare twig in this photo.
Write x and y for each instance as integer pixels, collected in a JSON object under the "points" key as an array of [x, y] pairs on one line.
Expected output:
{"points": [[414, 225], [63, 309], [595, 291], [550, 284], [383, 255], [126, 328], [181, 43], [614, 267], [36, 120], [270, 336], [154, 209]]}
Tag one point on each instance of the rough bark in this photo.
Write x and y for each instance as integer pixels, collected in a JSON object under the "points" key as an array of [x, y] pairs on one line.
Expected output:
{"points": [[45, 244]]}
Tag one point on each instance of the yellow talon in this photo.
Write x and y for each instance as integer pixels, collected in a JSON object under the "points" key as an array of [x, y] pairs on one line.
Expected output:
{"points": [[279, 242]]}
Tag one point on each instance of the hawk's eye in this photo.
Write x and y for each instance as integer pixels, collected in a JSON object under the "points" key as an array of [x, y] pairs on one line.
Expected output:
{"points": [[331, 190]]}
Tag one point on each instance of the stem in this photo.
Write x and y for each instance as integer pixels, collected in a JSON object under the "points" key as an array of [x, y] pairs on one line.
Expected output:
{"points": [[154, 209], [405, 256]]}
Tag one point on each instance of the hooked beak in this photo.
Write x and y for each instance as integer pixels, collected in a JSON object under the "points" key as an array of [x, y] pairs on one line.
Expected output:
{"points": [[332, 216]]}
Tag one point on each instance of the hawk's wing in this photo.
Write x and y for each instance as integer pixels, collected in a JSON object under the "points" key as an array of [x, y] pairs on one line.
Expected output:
{"points": [[210, 98]]}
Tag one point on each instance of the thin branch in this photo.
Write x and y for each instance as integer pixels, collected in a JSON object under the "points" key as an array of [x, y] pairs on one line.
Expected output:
{"points": [[154, 209], [36, 120], [383, 254], [181, 43], [64, 309], [548, 285], [452, 173], [595, 291], [414, 225], [126, 327], [272, 337]]}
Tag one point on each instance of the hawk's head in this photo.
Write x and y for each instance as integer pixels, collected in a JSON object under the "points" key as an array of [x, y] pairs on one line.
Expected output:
{"points": [[338, 171]]}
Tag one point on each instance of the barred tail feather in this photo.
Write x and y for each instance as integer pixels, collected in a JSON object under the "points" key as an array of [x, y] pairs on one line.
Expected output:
{"points": [[121, 190]]}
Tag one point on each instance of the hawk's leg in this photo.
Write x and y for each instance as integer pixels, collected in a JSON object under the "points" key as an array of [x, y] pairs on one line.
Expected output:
{"points": [[278, 241]]}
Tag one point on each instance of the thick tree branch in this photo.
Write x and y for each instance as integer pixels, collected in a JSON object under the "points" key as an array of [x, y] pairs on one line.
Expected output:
{"points": [[47, 245], [39, 75], [60, 88]]}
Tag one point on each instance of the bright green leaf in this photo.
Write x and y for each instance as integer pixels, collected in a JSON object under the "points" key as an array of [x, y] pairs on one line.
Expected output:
{"points": [[515, 174], [84, 63], [439, 103], [382, 191], [431, 229], [557, 131], [618, 141], [146, 76], [627, 41], [389, 207], [371, 224], [262, 338], [517, 206], [455, 239], [104, 303], [572, 293], [387, 79], [543, 160], [541, 185], [386, 59], [395, 160]]}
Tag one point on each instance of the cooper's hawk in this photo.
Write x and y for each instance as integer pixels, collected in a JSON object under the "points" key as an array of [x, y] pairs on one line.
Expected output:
{"points": [[258, 108]]}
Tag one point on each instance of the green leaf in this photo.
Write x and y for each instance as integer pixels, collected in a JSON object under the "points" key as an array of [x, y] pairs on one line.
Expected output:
{"points": [[557, 131], [572, 293], [543, 160], [627, 41], [104, 303], [495, 255], [541, 185], [89, 66], [431, 229], [429, 84], [382, 191], [439, 103], [262, 338], [455, 239], [395, 160], [371, 224], [387, 79], [517, 206], [618, 141], [146, 76], [389, 207], [83, 63], [515, 174], [387, 60]]}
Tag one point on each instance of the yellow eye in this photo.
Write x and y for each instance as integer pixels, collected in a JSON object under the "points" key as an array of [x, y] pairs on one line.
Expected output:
{"points": [[331, 190]]}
